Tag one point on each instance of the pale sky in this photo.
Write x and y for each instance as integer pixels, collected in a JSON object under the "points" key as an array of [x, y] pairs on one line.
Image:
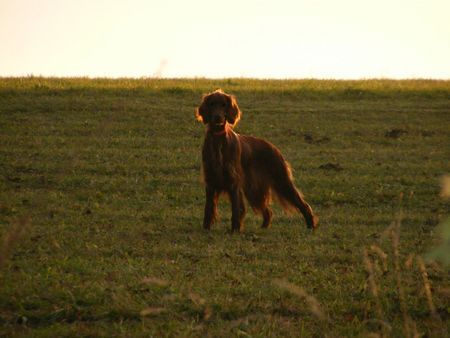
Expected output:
{"points": [[345, 39]]}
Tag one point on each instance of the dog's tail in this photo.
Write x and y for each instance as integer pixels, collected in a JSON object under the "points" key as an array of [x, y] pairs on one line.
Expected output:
{"points": [[288, 195]]}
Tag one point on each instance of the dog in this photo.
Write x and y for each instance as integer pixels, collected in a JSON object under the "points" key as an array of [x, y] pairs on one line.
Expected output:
{"points": [[243, 166]]}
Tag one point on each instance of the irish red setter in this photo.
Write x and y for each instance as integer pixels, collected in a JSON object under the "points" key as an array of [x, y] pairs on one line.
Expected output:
{"points": [[240, 165]]}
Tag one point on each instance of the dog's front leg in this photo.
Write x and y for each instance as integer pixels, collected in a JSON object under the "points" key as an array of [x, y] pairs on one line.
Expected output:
{"points": [[210, 208], [237, 210]]}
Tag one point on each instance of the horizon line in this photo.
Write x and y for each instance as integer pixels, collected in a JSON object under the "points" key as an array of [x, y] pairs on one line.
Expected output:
{"points": [[90, 77]]}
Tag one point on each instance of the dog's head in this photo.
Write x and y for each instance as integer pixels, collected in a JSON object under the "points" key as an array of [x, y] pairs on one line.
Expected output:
{"points": [[217, 110]]}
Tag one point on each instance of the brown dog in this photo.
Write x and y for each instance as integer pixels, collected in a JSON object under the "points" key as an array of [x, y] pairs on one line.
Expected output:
{"points": [[241, 166]]}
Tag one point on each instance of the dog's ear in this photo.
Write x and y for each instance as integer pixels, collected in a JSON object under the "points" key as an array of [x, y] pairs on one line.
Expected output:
{"points": [[201, 113], [233, 112]]}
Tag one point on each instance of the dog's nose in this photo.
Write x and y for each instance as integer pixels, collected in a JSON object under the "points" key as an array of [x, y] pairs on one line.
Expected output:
{"points": [[217, 119]]}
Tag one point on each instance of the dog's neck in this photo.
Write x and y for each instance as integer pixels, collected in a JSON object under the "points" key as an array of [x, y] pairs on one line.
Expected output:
{"points": [[223, 132], [219, 133]]}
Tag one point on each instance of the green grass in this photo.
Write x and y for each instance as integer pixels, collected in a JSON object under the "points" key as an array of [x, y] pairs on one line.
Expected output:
{"points": [[106, 176]]}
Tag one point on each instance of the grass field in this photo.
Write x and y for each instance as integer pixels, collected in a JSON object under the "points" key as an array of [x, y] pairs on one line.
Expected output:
{"points": [[101, 207]]}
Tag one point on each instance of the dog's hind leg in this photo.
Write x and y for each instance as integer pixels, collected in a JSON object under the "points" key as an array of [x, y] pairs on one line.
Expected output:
{"points": [[265, 208], [306, 210], [267, 218], [289, 194]]}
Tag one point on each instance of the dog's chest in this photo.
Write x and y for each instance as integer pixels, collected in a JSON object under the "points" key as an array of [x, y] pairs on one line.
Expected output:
{"points": [[219, 165]]}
